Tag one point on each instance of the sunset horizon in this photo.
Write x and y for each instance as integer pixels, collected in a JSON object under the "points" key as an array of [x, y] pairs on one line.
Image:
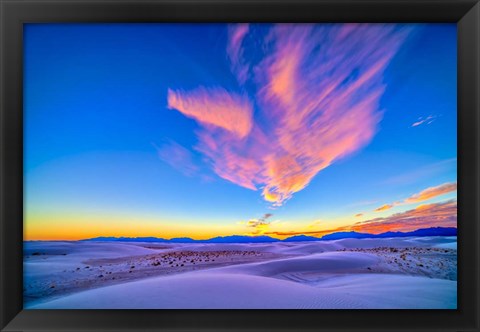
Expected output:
{"points": [[240, 166], [374, 226]]}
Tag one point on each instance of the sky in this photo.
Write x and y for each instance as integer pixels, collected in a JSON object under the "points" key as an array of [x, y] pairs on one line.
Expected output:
{"points": [[204, 130]]}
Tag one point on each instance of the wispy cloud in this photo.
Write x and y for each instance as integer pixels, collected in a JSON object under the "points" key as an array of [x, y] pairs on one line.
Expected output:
{"points": [[384, 207], [442, 214], [236, 36], [260, 225], [422, 196], [317, 93], [432, 192], [358, 215], [177, 157], [424, 120], [428, 215], [214, 107]]}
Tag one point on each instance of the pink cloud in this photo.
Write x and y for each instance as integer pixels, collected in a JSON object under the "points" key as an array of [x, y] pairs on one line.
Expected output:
{"points": [[384, 207], [216, 107], [237, 34], [442, 214], [423, 195], [432, 192], [317, 93]]}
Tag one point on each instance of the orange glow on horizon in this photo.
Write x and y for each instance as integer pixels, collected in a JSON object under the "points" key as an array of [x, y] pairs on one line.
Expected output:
{"points": [[43, 227], [54, 227]]}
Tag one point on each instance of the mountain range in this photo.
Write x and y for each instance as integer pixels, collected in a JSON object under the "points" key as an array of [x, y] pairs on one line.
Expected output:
{"points": [[432, 231]]}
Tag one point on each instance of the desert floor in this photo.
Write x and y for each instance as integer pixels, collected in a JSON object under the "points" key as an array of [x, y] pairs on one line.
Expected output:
{"points": [[404, 273]]}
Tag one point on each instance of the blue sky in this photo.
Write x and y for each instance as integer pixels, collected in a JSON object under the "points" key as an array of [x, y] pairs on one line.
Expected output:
{"points": [[98, 115]]}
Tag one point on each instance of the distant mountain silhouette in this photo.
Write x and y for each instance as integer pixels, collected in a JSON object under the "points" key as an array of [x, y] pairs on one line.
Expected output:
{"points": [[218, 239], [432, 231], [128, 239], [181, 240], [347, 235], [301, 238], [241, 239]]}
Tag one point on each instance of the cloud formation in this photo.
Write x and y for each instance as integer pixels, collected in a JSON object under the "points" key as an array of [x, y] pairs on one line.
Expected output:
{"points": [[432, 192], [260, 225], [443, 214], [178, 157], [422, 196], [316, 100], [421, 120], [236, 36], [428, 215], [214, 107], [384, 207]]}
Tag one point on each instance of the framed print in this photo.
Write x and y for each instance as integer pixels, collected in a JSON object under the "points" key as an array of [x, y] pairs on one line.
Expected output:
{"points": [[248, 166]]}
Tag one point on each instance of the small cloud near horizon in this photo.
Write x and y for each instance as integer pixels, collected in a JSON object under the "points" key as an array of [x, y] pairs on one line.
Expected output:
{"points": [[422, 196], [442, 214], [259, 225], [384, 207], [432, 192]]}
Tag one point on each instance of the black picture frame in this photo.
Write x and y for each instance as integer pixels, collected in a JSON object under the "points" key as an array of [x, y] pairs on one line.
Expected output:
{"points": [[14, 13]]}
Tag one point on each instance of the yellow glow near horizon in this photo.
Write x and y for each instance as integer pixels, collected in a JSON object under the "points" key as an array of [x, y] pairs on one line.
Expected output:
{"points": [[56, 227], [71, 226], [68, 226]]}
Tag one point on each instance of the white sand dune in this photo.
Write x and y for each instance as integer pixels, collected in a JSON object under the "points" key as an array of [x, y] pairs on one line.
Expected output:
{"points": [[329, 262], [56, 257], [85, 249], [339, 274], [205, 290], [396, 291]]}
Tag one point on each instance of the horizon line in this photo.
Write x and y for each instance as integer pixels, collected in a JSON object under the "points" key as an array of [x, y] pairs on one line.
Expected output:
{"points": [[240, 235]]}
